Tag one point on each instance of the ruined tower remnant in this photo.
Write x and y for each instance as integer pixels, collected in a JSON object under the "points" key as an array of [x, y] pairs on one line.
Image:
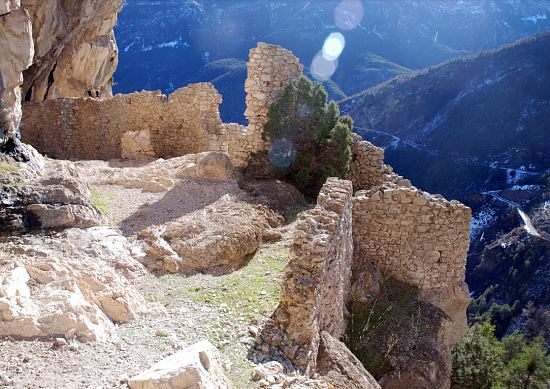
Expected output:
{"points": [[270, 69]]}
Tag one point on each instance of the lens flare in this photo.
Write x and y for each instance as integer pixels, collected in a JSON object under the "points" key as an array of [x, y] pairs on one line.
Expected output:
{"points": [[348, 14], [282, 153], [321, 68], [333, 46], [304, 111]]}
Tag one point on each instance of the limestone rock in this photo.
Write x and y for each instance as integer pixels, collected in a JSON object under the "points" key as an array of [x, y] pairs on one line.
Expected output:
{"points": [[269, 372], [198, 366], [17, 50], [218, 237], [7, 6], [340, 368], [210, 166], [45, 194], [52, 285], [64, 49], [76, 53]]}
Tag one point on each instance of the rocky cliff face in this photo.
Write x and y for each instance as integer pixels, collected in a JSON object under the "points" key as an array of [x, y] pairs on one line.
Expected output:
{"points": [[54, 49], [17, 49], [75, 48]]}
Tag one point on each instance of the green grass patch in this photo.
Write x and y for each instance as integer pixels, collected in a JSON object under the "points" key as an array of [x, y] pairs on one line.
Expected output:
{"points": [[247, 293], [251, 291], [100, 200], [8, 167]]}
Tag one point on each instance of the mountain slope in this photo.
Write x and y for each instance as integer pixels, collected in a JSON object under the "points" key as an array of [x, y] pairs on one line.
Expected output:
{"points": [[165, 45], [490, 112]]}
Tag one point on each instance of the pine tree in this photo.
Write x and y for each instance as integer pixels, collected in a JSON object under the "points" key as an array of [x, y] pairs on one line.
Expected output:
{"points": [[312, 140]]}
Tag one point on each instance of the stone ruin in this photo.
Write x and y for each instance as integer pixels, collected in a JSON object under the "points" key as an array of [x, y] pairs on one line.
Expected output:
{"points": [[53, 49], [150, 124], [387, 225], [316, 279], [376, 218]]}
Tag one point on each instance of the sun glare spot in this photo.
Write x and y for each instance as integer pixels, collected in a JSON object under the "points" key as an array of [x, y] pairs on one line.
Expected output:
{"points": [[282, 153], [348, 14], [321, 68], [333, 46]]}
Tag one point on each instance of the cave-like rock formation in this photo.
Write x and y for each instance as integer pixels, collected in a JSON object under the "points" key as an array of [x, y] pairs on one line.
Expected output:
{"points": [[51, 49]]}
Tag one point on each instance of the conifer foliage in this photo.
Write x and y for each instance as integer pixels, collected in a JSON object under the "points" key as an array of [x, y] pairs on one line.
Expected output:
{"points": [[310, 140]]}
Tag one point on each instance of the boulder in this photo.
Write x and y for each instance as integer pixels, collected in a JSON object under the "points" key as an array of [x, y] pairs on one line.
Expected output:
{"points": [[44, 194], [74, 281], [340, 368], [270, 372], [218, 237], [196, 367], [210, 166]]}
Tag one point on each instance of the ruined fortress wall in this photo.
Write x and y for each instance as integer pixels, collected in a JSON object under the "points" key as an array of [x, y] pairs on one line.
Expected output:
{"points": [[418, 238], [79, 128], [270, 69], [236, 140], [317, 277], [367, 167], [149, 124]]}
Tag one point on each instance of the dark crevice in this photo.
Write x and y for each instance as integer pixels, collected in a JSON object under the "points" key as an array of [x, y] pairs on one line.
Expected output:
{"points": [[50, 80], [12, 148], [28, 95]]}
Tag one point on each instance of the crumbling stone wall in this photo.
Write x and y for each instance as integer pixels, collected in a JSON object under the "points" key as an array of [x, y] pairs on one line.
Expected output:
{"points": [[367, 167], [317, 277], [78, 128], [237, 141], [270, 69], [419, 238], [149, 124]]}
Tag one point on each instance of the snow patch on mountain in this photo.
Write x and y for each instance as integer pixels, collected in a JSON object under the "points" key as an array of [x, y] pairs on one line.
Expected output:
{"points": [[481, 220], [534, 18]]}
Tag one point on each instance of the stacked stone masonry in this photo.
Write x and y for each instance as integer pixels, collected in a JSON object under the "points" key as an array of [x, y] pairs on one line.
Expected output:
{"points": [[367, 168], [418, 238], [75, 128], [408, 234], [317, 277], [149, 124], [270, 69]]}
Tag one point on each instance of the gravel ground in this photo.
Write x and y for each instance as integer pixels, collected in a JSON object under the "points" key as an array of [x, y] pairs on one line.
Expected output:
{"points": [[194, 312], [227, 310]]}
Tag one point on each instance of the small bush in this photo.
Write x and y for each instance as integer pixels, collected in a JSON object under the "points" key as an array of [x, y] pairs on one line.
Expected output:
{"points": [[481, 361], [477, 358], [310, 140]]}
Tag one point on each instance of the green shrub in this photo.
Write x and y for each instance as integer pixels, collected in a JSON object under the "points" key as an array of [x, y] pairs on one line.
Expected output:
{"points": [[480, 360], [310, 140], [527, 364], [477, 358]]}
